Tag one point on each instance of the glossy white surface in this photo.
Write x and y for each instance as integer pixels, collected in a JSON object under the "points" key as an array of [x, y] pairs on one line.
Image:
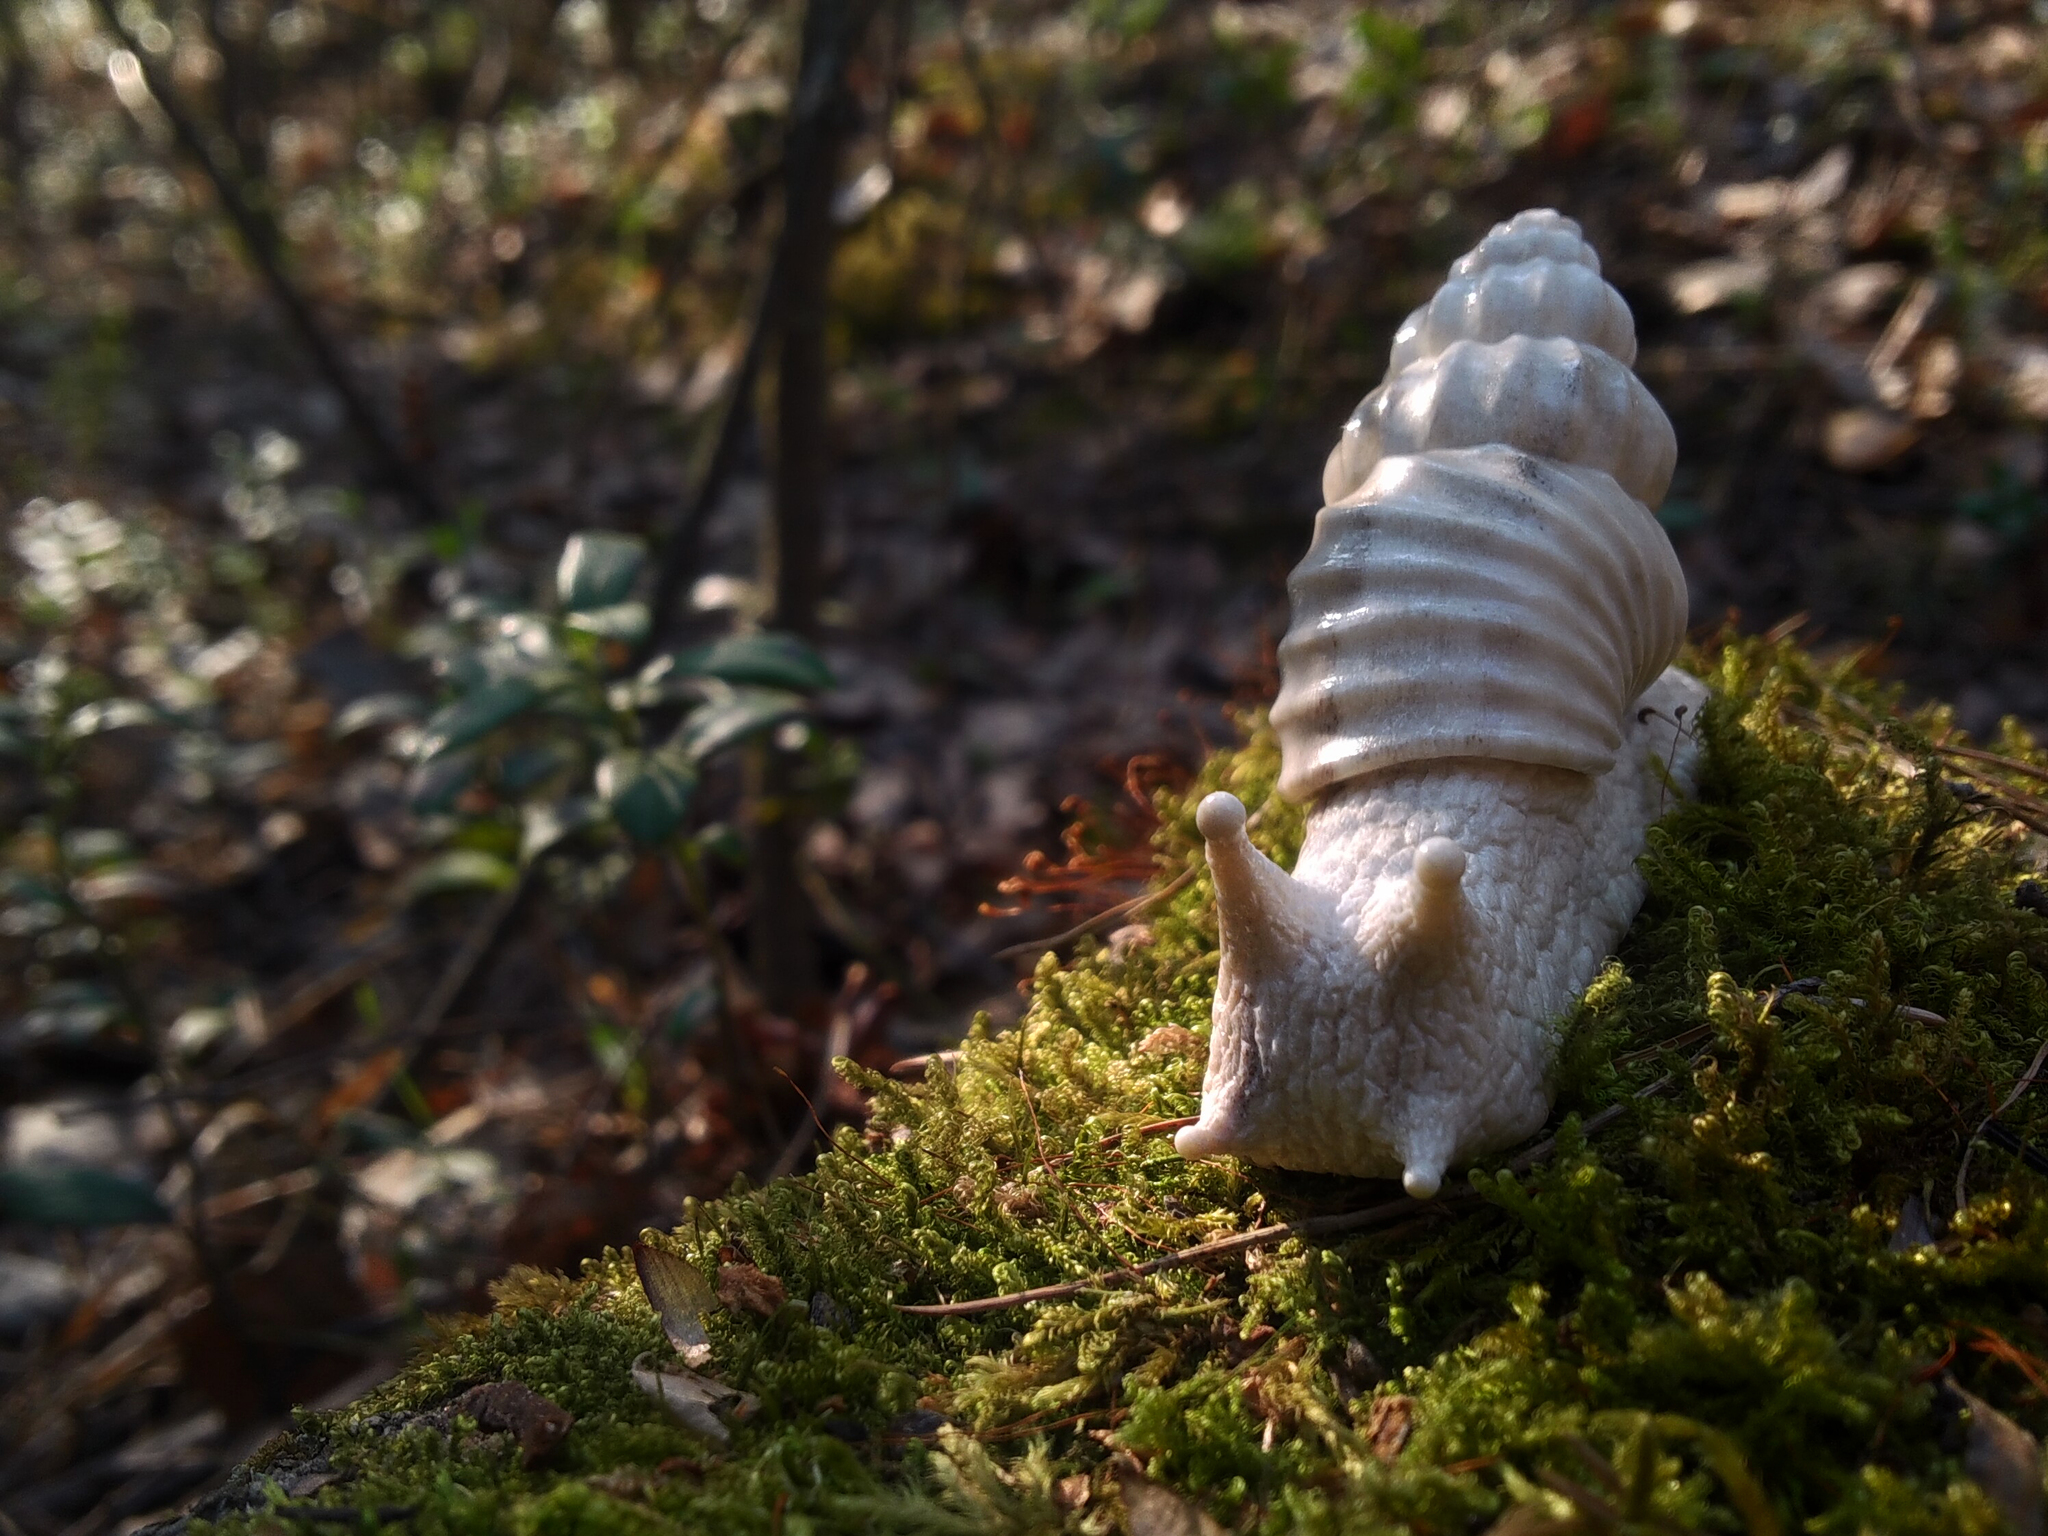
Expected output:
{"points": [[1525, 346], [1473, 602], [1474, 695], [1372, 1021]]}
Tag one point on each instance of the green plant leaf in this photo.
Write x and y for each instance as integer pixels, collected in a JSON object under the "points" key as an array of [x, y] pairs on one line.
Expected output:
{"points": [[19, 885], [648, 793], [68, 1013], [525, 767], [475, 715], [433, 786], [109, 715], [17, 731], [721, 840], [76, 1197], [697, 1006], [374, 711], [744, 712], [546, 823], [769, 659], [616, 621], [598, 570], [459, 869]]}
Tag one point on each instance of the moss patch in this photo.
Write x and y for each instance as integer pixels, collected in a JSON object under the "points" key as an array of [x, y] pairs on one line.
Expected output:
{"points": [[1707, 1314]]}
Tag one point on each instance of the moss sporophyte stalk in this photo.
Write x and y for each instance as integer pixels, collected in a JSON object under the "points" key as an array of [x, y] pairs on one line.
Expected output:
{"points": [[1745, 1301]]}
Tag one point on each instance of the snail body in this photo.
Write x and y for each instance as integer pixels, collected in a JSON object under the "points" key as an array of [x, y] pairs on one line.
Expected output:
{"points": [[1476, 701]]}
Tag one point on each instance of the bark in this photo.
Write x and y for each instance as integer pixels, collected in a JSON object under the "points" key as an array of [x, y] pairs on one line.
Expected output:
{"points": [[780, 938]]}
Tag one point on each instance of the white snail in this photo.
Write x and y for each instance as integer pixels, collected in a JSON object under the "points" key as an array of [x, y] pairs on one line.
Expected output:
{"points": [[1474, 694]]}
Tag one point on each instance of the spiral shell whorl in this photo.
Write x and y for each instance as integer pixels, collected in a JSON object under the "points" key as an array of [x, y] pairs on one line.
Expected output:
{"points": [[1531, 235], [1473, 602], [1488, 580], [1497, 302], [1526, 346]]}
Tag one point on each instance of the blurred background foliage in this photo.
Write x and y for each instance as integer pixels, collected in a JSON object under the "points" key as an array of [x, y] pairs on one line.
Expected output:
{"points": [[393, 723]]}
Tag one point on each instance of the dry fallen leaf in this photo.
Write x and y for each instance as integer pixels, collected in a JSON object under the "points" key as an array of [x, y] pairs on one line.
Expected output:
{"points": [[1935, 378], [1854, 294], [745, 1289], [1861, 439], [2026, 379], [1530, 1520], [514, 1408], [1389, 1424], [1019, 1201], [2004, 1460], [1912, 1231], [696, 1402], [1159, 1511], [680, 1297], [1172, 1040], [1703, 285], [1072, 1492], [626, 1483]]}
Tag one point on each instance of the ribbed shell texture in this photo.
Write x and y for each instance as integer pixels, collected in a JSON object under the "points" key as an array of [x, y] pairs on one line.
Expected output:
{"points": [[1489, 580]]}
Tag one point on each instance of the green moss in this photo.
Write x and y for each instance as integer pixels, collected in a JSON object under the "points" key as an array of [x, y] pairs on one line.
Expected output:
{"points": [[1697, 1309]]}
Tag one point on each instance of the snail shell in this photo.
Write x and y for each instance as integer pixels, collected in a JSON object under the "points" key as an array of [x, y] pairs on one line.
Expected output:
{"points": [[1525, 345], [1475, 698]]}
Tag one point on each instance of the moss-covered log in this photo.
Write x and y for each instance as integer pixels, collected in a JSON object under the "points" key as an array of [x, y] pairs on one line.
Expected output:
{"points": [[1746, 1302]]}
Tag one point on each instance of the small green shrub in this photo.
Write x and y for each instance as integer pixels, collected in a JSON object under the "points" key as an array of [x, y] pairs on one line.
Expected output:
{"points": [[550, 735]]}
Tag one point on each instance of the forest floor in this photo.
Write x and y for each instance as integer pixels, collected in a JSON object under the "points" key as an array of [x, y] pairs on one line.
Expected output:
{"points": [[295, 1054]]}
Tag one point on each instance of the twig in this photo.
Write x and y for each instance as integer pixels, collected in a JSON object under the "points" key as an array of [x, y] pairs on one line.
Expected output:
{"points": [[1905, 326], [476, 943], [2020, 805], [838, 1042], [791, 552], [608, 1083], [731, 982], [2027, 1080], [2015, 803], [278, 1187], [1038, 1139], [1114, 1140], [213, 1267], [1129, 908], [1996, 760], [807, 161], [1264, 1237], [309, 998], [261, 239], [1242, 1242], [679, 543]]}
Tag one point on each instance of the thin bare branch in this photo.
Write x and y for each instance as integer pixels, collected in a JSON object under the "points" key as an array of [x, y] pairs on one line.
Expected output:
{"points": [[265, 245], [1129, 908]]}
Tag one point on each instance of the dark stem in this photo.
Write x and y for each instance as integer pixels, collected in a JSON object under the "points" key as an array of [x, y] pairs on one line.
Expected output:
{"points": [[679, 544], [13, 91], [779, 938], [265, 245], [185, 1131], [476, 943]]}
